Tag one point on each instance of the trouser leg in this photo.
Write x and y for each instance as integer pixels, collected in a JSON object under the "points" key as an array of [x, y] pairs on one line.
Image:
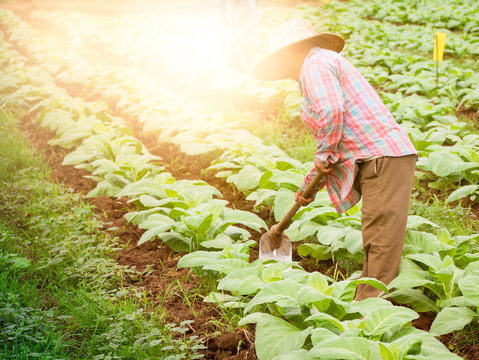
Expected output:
{"points": [[385, 185]]}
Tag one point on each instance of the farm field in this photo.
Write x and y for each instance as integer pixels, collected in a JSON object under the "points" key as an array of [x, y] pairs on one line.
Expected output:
{"points": [[141, 162]]}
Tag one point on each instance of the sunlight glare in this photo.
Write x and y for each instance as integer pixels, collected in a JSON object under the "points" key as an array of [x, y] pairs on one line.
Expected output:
{"points": [[77, 40], [202, 45]]}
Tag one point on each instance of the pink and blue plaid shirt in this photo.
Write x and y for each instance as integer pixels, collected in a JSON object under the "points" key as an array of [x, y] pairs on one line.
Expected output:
{"points": [[348, 120]]}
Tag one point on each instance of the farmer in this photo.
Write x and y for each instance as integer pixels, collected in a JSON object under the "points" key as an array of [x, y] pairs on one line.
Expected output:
{"points": [[361, 149]]}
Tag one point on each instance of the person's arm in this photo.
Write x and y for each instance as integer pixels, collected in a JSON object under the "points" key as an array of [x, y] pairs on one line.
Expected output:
{"points": [[299, 194], [322, 90]]}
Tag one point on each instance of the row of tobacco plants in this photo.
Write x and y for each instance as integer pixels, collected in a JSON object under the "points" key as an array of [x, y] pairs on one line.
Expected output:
{"points": [[311, 313]]}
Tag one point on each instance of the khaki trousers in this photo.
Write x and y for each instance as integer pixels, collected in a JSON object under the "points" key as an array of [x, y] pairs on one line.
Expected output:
{"points": [[385, 185]]}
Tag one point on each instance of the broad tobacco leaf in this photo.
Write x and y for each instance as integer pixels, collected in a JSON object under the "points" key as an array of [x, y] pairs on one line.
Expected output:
{"points": [[383, 319], [275, 336], [451, 319]]}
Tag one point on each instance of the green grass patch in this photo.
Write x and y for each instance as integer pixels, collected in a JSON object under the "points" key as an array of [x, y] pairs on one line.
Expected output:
{"points": [[15, 152], [61, 290]]}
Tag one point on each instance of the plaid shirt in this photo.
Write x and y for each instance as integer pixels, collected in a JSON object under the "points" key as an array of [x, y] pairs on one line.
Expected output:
{"points": [[348, 120]]}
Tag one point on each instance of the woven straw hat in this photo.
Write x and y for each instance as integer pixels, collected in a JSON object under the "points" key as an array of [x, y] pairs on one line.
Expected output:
{"points": [[290, 36]]}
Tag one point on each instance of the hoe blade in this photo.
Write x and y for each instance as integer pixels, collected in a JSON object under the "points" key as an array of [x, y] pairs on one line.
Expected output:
{"points": [[267, 250]]}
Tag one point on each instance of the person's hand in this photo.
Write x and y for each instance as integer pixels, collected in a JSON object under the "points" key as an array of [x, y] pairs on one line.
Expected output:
{"points": [[324, 168], [302, 200]]}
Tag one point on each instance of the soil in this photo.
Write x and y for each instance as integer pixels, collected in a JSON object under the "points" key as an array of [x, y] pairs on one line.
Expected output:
{"points": [[469, 115], [154, 261]]}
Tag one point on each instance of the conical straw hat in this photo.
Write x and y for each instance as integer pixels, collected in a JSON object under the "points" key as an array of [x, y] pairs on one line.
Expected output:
{"points": [[287, 37]]}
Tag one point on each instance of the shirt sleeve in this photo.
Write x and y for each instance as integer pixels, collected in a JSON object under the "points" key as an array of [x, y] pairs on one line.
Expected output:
{"points": [[322, 91], [309, 178]]}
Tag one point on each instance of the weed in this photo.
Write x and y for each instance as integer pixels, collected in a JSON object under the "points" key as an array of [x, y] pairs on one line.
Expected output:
{"points": [[457, 220]]}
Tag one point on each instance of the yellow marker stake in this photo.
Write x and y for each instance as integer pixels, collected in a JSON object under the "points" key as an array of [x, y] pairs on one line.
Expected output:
{"points": [[439, 45]]}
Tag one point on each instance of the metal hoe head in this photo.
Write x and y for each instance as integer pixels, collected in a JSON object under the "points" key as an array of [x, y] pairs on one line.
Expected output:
{"points": [[277, 246], [274, 244]]}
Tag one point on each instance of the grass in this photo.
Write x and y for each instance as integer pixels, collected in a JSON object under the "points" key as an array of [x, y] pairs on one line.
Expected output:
{"points": [[465, 339], [24, 330], [458, 220], [288, 133], [15, 152], [61, 290]]}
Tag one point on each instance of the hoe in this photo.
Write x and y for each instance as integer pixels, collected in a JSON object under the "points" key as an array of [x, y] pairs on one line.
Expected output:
{"points": [[274, 244]]}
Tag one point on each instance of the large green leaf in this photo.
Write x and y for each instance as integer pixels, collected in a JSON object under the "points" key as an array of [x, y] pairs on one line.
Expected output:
{"points": [[71, 138], [389, 351], [198, 258], [262, 196], [343, 348], [387, 318], [456, 301], [343, 290], [354, 241], [415, 221], [444, 164], [419, 241], [321, 215], [275, 336], [308, 295], [290, 179], [199, 223], [155, 220], [283, 201], [434, 262], [154, 231], [318, 281], [246, 218], [145, 187], [462, 192], [226, 266], [222, 241], [432, 348], [469, 287], [415, 298], [176, 241], [301, 230], [284, 292], [317, 251], [274, 272], [244, 281], [329, 234], [104, 188], [323, 320], [118, 180], [371, 282], [295, 355], [472, 269], [452, 319], [247, 178], [77, 157], [410, 279]]}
